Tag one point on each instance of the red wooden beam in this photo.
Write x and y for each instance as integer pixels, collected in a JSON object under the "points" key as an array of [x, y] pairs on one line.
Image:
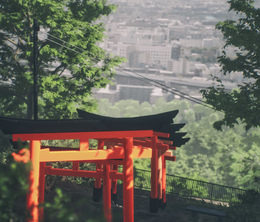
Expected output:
{"points": [[166, 135], [144, 143], [167, 153], [172, 147], [83, 135], [171, 158]]}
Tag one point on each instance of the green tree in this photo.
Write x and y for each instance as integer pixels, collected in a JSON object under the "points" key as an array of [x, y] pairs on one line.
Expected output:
{"points": [[243, 34], [145, 109], [113, 111], [103, 106], [189, 116], [69, 21]]}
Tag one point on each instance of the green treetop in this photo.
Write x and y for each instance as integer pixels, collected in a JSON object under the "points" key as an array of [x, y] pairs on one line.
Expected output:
{"points": [[244, 34], [72, 21]]}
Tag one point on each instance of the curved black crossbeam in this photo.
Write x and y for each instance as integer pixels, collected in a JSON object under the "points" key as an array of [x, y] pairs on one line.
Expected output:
{"points": [[162, 122]]}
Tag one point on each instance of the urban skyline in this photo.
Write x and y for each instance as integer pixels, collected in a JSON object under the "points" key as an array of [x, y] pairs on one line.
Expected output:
{"points": [[176, 41]]}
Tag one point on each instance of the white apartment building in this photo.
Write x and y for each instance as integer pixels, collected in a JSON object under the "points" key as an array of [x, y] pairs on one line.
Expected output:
{"points": [[178, 66], [189, 42], [202, 69], [215, 70], [152, 54], [211, 42], [161, 54], [122, 49]]}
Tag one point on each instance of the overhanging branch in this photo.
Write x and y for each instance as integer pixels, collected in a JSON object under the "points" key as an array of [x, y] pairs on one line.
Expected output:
{"points": [[56, 70]]}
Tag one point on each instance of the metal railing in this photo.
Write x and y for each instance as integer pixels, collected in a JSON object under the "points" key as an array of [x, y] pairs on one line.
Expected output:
{"points": [[189, 187]]}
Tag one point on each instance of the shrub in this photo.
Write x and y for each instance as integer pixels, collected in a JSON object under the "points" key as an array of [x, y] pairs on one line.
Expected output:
{"points": [[14, 187], [248, 210]]}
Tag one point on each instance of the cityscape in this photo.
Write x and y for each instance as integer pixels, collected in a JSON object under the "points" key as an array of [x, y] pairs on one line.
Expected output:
{"points": [[174, 43]]}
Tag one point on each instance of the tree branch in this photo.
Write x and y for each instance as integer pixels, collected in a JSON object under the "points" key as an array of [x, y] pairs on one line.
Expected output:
{"points": [[43, 44], [56, 70], [13, 93], [11, 41], [19, 38], [63, 70]]}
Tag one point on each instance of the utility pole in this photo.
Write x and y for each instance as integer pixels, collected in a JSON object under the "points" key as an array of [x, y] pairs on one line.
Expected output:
{"points": [[35, 60]]}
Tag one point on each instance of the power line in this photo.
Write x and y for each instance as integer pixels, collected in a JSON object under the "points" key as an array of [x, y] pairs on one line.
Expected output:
{"points": [[183, 95], [72, 45], [164, 85], [67, 47], [192, 99]]}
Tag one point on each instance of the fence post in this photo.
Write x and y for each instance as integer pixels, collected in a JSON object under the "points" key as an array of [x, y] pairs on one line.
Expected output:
{"points": [[211, 191], [231, 194], [191, 188]]}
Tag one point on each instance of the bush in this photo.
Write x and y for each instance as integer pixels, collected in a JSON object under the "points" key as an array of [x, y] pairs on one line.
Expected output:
{"points": [[13, 190], [247, 210]]}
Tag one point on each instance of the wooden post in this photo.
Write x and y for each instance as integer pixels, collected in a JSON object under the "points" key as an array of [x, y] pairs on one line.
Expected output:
{"points": [[33, 192], [128, 182], [83, 144], [159, 179], [41, 188], [153, 208], [99, 165], [114, 186], [163, 182], [107, 193], [75, 165], [114, 181], [97, 189]]}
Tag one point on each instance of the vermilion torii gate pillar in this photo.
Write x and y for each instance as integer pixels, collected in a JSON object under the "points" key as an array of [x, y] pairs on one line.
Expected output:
{"points": [[33, 195], [128, 176]]}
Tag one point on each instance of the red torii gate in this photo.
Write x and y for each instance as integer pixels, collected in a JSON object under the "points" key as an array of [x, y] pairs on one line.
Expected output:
{"points": [[126, 146]]}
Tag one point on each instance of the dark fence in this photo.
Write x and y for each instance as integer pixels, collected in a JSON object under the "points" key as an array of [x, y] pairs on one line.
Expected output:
{"points": [[188, 187]]}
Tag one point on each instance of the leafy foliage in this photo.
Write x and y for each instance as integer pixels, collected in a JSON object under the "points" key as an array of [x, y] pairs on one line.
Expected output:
{"points": [[242, 104], [247, 210], [13, 187], [72, 21]]}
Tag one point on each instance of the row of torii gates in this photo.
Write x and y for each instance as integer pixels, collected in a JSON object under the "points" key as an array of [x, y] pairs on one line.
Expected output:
{"points": [[151, 136]]}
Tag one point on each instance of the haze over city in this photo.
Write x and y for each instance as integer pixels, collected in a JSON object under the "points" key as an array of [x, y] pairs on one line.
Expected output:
{"points": [[171, 42]]}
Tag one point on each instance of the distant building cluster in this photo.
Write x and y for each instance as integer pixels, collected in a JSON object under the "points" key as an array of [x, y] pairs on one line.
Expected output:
{"points": [[165, 39], [163, 44]]}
